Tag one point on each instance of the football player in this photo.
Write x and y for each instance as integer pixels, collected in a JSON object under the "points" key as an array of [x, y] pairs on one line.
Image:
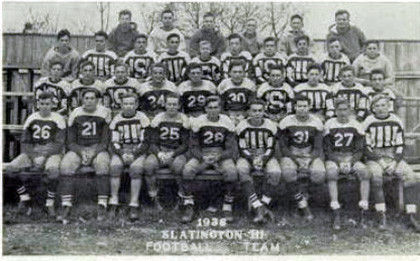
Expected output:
{"points": [[384, 155], [343, 148], [333, 61], [195, 91], [87, 143], [277, 95], [168, 145], [153, 93], [87, 81], [236, 92], [117, 86], [235, 53], [268, 58], [42, 150], [213, 145], [55, 85], [257, 139], [318, 93], [210, 65], [102, 59], [129, 146], [175, 61], [301, 147], [140, 59]]}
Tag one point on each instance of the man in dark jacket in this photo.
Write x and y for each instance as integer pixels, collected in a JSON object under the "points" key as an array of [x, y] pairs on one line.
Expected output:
{"points": [[121, 39]]}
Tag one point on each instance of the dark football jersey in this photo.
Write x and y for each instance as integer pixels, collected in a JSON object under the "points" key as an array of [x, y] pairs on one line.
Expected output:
{"points": [[297, 68], [331, 67], [78, 88], [140, 63], [128, 131], [152, 99], [343, 137], [211, 68], [176, 65], [263, 63], [170, 129], [44, 130], [320, 96], [89, 126], [212, 134], [193, 99], [301, 134], [278, 99], [227, 58], [60, 91], [236, 97], [104, 62], [114, 91]]}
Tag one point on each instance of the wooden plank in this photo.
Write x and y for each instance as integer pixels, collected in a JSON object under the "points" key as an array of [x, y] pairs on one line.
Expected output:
{"points": [[26, 94]]}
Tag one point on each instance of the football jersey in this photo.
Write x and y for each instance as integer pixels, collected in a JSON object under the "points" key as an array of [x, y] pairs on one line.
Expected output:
{"points": [[320, 96], [227, 58], [343, 136], [301, 134], [211, 68], [89, 126], [140, 63], [60, 91], [278, 99], [386, 92], [104, 62], [297, 67], [263, 63], [170, 129], [78, 87], [193, 99], [356, 95], [176, 64], [44, 130], [152, 99], [114, 91], [384, 136], [331, 67], [128, 131], [256, 140], [236, 97], [212, 134]]}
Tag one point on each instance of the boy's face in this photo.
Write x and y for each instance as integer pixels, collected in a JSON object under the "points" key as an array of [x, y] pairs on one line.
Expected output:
{"points": [[158, 75], [64, 41], [296, 24], [121, 73], [347, 77], [56, 71], [125, 19], [270, 47], [140, 44], [205, 50], [276, 77], [100, 43], [235, 45], [342, 112], [88, 72], [172, 105], [173, 43], [251, 27], [237, 74], [167, 19], [334, 47], [381, 108], [372, 50], [45, 106], [342, 21], [256, 111], [213, 109], [90, 101], [377, 81], [302, 108], [195, 75], [313, 76], [302, 46], [208, 23], [129, 105]]}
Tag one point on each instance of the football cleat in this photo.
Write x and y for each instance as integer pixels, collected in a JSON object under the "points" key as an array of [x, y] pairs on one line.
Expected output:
{"points": [[101, 215], [64, 217], [228, 215], [51, 212], [211, 210], [263, 214], [382, 224], [188, 214], [336, 220], [112, 213], [24, 208], [414, 223], [363, 219], [306, 213], [134, 214], [156, 204]]}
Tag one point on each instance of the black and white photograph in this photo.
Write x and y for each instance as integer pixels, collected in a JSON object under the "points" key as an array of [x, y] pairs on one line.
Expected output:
{"points": [[199, 129]]}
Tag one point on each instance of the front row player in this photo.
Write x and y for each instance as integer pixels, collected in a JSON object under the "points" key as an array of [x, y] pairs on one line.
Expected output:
{"points": [[42, 149], [343, 148], [213, 145], [257, 140], [384, 152], [87, 142]]}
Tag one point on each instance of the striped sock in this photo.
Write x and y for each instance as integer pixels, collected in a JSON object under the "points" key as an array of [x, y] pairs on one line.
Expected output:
{"points": [[255, 202], [66, 200], [102, 200], [23, 194]]}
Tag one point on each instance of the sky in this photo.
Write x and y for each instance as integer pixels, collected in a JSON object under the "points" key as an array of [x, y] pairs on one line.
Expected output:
{"points": [[377, 20]]}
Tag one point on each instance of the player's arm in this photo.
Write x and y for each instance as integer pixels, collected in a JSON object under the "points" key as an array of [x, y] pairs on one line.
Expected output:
{"points": [[258, 72], [195, 145], [269, 151], [154, 140], [231, 147], [284, 144], [399, 145], [185, 135], [330, 110], [103, 144], [115, 141], [362, 108], [243, 149], [317, 149], [368, 148], [144, 146], [328, 147], [72, 140], [290, 74], [27, 146], [359, 144]]}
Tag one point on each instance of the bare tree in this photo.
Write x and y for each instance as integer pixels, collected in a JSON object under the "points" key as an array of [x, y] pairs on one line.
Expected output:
{"points": [[45, 23], [276, 18], [104, 11]]}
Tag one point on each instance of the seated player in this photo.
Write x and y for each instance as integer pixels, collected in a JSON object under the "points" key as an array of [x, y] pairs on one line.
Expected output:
{"points": [[384, 157], [87, 81], [377, 81], [213, 145], [195, 91], [318, 93], [268, 58], [152, 94], [343, 148], [257, 139], [168, 145], [236, 92], [102, 59], [117, 86], [210, 65], [175, 61], [235, 53], [333, 61], [87, 143], [370, 60], [277, 95], [301, 147], [42, 149], [352, 91], [55, 85], [140, 59], [297, 65], [129, 148]]}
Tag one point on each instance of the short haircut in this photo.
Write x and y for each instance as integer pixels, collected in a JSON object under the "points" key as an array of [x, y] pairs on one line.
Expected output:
{"points": [[208, 14], [348, 68], [172, 95], [92, 90], [120, 64], [87, 63], [251, 20], [234, 36], [158, 65], [129, 95], [101, 33], [140, 36], [302, 37], [192, 66], [63, 33], [45, 95], [333, 39], [371, 42], [124, 12], [341, 101], [377, 71], [341, 12], [237, 63], [301, 97], [205, 42], [270, 39], [167, 11], [256, 101], [272, 67], [380, 97], [172, 35], [55, 63], [213, 98], [298, 16], [314, 66]]}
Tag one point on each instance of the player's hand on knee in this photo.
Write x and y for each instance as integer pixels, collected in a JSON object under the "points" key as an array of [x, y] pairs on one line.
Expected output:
{"points": [[258, 163], [39, 161], [390, 168], [128, 158], [345, 167]]}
